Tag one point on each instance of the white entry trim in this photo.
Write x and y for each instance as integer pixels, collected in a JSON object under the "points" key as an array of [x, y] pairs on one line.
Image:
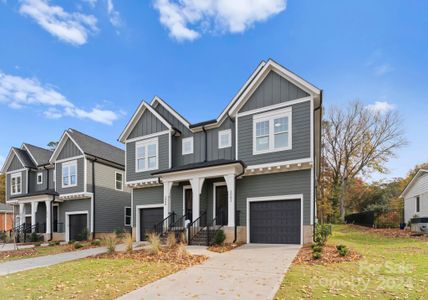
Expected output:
{"points": [[185, 187], [276, 198], [67, 221], [137, 217], [215, 185]]}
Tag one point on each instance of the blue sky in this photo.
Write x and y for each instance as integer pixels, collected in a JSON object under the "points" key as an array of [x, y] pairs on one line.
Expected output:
{"points": [[87, 64]]}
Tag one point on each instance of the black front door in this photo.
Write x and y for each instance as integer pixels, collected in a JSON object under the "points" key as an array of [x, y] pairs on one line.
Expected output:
{"points": [[78, 227], [27, 222], [221, 197], [149, 217], [188, 197], [55, 218]]}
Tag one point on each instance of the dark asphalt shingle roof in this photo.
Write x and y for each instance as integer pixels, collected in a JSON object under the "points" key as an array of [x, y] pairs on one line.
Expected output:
{"points": [[5, 207], [25, 158], [199, 165], [97, 148], [40, 154]]}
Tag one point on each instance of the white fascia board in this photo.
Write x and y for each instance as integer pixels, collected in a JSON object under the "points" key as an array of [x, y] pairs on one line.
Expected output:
{"points": [[61, 145], [410, 184], [157, 99], [138, 113], [206, 172], [24, 147], [9, 159]]}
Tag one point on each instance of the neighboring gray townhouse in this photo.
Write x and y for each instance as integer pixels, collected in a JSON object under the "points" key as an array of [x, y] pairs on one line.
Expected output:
{"points": [[74, 192], [251, 172]]}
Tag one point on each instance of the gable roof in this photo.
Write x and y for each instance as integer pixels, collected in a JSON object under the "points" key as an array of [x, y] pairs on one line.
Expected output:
{"points": [[172, 111], [39, 155], [413, 181], [137, 115], [91, 146], [22, 156]]}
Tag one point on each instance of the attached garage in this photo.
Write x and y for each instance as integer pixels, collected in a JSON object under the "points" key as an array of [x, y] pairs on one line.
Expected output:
{"points": [[77, 226], [147, 218], [275, 220]]}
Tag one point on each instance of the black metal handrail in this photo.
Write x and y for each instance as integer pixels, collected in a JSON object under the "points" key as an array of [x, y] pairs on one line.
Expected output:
{"points": [[179, 224], [196, 226], [215, 228], [162, 227]]}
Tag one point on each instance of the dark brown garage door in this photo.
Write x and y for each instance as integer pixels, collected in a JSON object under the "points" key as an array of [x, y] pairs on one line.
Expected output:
{"points": [[275, 222], [78, 227], [149, 217]]}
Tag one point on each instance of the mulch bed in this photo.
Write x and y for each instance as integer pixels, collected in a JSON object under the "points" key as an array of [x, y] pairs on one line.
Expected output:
{"points": [[391, 232], [173, 256], [224, 247], [329, 256]]}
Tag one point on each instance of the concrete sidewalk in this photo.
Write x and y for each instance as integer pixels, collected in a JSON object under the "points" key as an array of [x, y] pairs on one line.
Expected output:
{"points": [[252, 271]]}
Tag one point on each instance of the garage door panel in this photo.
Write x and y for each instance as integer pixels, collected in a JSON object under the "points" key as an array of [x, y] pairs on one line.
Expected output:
{"points": [[275, 222], [148, 218], [78, 227]]}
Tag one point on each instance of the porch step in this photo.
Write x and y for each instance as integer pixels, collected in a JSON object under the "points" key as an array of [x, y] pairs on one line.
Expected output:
{"points": [[177, 231], [201, 237]]}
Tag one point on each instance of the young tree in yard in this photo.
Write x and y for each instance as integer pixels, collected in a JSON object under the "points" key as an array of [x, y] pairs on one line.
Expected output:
{"points": [[357, 141], [2, 188]]}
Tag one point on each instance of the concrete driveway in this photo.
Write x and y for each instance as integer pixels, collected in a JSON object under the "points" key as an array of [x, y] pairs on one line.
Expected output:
{"points": [[252, 271]]}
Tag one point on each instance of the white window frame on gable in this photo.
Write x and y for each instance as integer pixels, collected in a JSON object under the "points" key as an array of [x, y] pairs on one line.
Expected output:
{"points": [[225, 134], [127, 216], [15, 184], [187, 145], [39, 176], [269, 134], [116, 181], [145, 157], [67, 167]]}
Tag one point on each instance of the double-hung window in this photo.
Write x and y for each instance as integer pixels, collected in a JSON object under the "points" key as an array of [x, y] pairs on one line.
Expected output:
{"points": [[39, 178], [272, 131], [16, 184], [118, 183], [225, 138], [69, 174], [128, 213], [187, 145], [146, 155]]}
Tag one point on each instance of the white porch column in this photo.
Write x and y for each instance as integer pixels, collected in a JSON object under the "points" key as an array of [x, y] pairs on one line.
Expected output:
{"points": [[167, 185], [34, 206], [21, 213], [48, 216], [196, 183], [230, 182]]}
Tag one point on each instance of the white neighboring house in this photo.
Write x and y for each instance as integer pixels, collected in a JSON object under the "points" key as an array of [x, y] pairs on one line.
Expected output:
{"points": [[415, 196]]}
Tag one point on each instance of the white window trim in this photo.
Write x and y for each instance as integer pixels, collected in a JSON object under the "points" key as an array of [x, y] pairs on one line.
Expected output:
{"points": [[37, 178], [227, 132], [67, 221], [270, 116], [53, 175], [138, 208], [146, 143], [16, 175], [115, 181], [124, 216], [188, 139], [69, 164]]}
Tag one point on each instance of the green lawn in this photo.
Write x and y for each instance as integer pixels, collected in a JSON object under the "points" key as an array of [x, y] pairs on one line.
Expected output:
{"points": [[91, 278], [391, 268]]}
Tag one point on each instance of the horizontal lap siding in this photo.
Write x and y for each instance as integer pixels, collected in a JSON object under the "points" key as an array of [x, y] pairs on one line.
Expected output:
{"points": [[147, 196], [163, 145], [74, 206], [295, 182], [301, 134], [32, 178]]}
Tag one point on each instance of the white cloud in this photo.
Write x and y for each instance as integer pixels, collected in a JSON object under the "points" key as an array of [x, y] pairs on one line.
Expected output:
{"points": [[73, 28], [186, 19], [383, 69], [92, 3], [113, 14], [18, 92], [381, 106]]}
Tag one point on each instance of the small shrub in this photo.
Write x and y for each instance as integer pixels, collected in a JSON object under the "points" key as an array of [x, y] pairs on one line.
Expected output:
{"points": [[53, 243], [129, 242], [322, 231], [96, 243], [342, 249], [316, 248], [155, 244], [110, 241], [120, 233], [84, 235], [316, 255], [77, 245], [181, 251], [3, 237], [219, 238], [171, 241], [38, 244], [34, 237], [71, 242]]}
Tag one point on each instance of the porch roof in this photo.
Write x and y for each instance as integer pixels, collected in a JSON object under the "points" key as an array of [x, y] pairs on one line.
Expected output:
{"points": [[50, 192], [200, 165]]}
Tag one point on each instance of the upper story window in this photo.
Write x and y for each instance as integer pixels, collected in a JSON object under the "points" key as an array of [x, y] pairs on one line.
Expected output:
{"points": [[225, 138], [118, 182], [272, 131], [16, 184], [146, 155], [69, 174], [187, 145], [418, 204], [39, 178]]}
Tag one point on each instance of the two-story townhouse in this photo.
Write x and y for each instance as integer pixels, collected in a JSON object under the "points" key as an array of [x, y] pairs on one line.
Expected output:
{"points": [[252, 171], [79, 194]]}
